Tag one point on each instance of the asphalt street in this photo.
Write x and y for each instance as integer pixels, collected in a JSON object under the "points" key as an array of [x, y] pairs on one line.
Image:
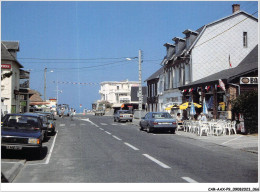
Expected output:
{"points": [[92, 149]]}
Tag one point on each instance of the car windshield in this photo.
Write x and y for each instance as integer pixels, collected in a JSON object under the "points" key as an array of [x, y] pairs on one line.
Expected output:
{"points": [[124, 112], [161, 116], [19, 121]]}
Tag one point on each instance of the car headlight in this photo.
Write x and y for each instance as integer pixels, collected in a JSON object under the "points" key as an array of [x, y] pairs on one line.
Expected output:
{"points": [[34, 141]]}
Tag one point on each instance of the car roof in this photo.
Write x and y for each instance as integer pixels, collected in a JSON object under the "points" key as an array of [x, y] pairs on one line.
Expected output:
{"points": [[34, 114], [23, 114]]}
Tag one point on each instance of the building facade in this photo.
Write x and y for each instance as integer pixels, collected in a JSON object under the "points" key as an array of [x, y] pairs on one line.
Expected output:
{"points": [[117, 92], [219, 45], [10, 86]]}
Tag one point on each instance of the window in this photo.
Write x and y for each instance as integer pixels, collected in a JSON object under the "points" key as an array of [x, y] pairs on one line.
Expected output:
{"points": [[245, 39]]}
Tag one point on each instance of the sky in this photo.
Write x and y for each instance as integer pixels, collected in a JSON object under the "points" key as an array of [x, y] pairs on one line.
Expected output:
{"points": [[88, 42]]}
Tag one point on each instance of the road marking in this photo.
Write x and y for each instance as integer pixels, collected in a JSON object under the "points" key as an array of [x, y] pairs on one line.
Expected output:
{"points": [[90, 122], [49, 154], [72, 124], [157, 161], [231, 140], [117, 138], [62, 125], [114, 124], [82, 124], [108, 133], [131, 146], [101, 129], [189, 180], [103, 123]]}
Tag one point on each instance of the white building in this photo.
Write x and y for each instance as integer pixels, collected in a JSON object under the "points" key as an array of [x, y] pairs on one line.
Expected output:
{"points": [[10, 96], [117, 92], [214, 47]]}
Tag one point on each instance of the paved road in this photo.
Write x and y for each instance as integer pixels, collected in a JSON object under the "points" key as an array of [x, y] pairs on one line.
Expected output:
{"points": [[94, 149]]}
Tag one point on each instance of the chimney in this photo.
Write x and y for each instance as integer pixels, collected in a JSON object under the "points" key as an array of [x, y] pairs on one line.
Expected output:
{"points": [[235, 7]]}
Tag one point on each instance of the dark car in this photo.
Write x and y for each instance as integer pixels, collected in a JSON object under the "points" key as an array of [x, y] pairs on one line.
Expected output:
{"points": [[45, 122], [20, 131], [51, 121], [123, 115], [158, 121]]}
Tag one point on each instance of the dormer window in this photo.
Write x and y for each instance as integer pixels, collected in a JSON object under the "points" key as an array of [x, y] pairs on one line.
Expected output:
{"points": [[190, 36]]}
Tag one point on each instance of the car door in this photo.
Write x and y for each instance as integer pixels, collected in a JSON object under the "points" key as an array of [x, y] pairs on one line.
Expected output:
{"points": [[146, 120]]}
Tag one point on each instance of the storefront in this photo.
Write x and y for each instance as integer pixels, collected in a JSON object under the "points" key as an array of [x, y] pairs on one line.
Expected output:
{"points": [[220, 89]]}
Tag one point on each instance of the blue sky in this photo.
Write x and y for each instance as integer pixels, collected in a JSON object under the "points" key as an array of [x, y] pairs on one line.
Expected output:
{"points": [[73, 38]]}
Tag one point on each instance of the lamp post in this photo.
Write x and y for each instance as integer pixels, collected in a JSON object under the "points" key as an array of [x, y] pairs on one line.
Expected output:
{"points": [[45, 72], [140, 94]]}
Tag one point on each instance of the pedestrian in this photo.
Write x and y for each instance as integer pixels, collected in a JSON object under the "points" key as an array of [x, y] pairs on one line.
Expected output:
{"points": [[203, 117], [178, 118], [199, 117]]}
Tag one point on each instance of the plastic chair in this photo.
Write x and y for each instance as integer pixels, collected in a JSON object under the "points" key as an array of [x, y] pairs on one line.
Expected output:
{"points": [[203, 127], [180, 126], [233, 127], [219, 128]]}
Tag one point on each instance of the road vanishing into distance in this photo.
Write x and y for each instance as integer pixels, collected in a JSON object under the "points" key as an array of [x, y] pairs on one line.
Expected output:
{"points": [[93, 149]]}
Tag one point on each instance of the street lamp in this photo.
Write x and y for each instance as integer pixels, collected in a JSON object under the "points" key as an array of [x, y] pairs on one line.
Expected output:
{"points": [[45, 71], [140, 95]]}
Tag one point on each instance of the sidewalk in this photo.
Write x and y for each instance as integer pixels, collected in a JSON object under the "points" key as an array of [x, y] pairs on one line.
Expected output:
{"points": [[10, 168], [247, 143]]}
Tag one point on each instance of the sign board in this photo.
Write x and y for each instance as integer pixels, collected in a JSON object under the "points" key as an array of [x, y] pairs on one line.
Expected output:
{"points": [[248, 80], [6, 66]]}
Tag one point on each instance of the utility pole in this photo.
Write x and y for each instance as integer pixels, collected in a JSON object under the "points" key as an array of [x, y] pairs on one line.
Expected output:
{"points": [[140, 83], [45, 71]]}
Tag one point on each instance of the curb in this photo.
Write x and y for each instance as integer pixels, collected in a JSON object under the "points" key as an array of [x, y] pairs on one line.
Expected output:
{"points": [[13, 172]]}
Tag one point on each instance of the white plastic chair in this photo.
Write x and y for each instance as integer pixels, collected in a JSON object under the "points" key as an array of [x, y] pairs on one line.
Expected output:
{"points": [[219, 128], [204, 127], [233, 126], [180, 126]]}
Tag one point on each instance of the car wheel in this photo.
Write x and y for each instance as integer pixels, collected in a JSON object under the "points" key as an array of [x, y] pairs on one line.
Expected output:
{"points": [[149, 130], [141, 127], [131, 120], [172, 131]]}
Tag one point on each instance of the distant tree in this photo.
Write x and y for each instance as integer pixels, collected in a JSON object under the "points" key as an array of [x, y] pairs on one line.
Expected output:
{"points": [[247, 104]]}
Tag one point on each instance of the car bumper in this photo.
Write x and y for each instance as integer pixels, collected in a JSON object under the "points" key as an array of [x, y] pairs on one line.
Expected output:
{"points": [[23, 146], [169, 127]]}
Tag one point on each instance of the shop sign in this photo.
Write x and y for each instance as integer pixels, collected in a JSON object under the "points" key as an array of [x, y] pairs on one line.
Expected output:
{"points": [[5, 66], [248, 80]]}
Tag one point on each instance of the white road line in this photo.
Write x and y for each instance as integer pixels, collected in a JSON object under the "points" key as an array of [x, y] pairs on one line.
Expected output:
{"points": [[62, 125], [189, 180], [117, 138], [231, 140], [131, 146], [108, 133], [53, 143], [72, 124], [49, 154], [157, 161], [101, 129], [114, 124], [90, 122], [82, 124], [103, 123]]}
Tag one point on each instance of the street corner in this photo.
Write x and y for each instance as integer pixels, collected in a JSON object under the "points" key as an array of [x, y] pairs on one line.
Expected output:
{"points": [[10, 169]]}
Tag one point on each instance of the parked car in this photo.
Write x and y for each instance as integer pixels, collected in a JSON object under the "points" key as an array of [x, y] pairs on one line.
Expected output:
{"points": [[123, 115], [19, 131], [51, 120], [158, 121], [45, 122]]}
